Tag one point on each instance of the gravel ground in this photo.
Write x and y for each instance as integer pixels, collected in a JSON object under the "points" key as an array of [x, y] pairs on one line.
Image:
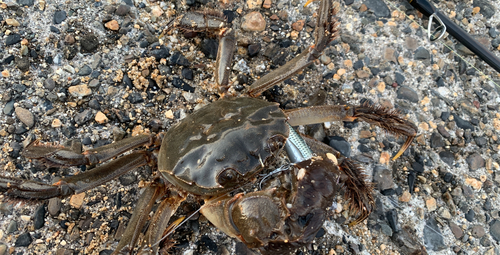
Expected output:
{"points": [[73, 73]]}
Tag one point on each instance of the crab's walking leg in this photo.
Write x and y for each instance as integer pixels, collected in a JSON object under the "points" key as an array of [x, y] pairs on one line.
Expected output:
{"points": [[149, 196], [325, 33], [67, 186], [60, 156], [388, 119], [227, 44]]}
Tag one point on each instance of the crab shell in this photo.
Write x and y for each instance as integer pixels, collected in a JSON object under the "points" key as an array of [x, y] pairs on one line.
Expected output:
{"points": [[222, 145]]}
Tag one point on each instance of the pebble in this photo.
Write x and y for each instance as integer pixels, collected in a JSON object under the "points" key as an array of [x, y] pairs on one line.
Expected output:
{"points": [[12, 227], [456, 230], [254, 4], [59, 17], [179, 83], [486, 9], [431, 204], [422, 53], [341, 145], [89, 43], [253, 49], [253, 22], [405, 197], [23, 240], [25, 116], [478, 231], [495, 230], [101, 118], [112, 25], [298, 25], [135, 98], [378, 7], [475, 161], [12, 22], [461, 123], [83, 117], [433, 237], [436, 141], [12, 39], [447, 157], [54, 206], [84, 70], [178, 59], [80, 90], [407, 93], [122, 10], [383, 178], [76, 201], [39, 217], [470, 215], [56, 123]]}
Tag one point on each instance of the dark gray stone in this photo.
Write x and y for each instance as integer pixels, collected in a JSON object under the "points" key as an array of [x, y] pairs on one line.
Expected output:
{"points": [[84, 70], [422, 53], [59, 17], [433, 238], [407, 93], [39, 217], [495, 230], [12, 39], [83, 117], [23, 240], [89, 43], [122, 10], [340, 144], [378, 7]]}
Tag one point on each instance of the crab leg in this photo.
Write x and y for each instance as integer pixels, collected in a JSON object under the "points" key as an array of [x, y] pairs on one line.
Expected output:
{"points": [[170, 201], [160, 221], [225, 52], [67, 186], [385, 118], [54, 155], [325, 33]]}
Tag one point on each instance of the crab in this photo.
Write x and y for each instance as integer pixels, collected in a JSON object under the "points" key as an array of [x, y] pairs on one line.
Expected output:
{"points": [[222, 146]]}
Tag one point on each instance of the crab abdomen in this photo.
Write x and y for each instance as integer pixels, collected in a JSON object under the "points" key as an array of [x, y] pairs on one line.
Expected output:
{"points": [[222, 145]]}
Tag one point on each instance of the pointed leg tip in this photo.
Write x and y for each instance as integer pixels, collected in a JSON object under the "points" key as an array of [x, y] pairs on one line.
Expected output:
{"points": [[405, 146], [308, 2]]}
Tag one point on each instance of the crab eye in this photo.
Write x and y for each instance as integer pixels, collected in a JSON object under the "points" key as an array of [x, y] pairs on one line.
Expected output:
{"points": [[228, 178]]}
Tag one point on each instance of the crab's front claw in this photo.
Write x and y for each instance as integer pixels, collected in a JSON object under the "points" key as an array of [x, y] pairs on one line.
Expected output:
{"points": [[251, 217], [286, 214]]}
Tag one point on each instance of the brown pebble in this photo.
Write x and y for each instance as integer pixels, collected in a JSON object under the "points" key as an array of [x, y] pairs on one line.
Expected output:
{"points": [[253, 22], [69, 39], [267, 4], [77, 200], [112, 25], [80, 90], [25, 116], [254, 4], [298, 25]]}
